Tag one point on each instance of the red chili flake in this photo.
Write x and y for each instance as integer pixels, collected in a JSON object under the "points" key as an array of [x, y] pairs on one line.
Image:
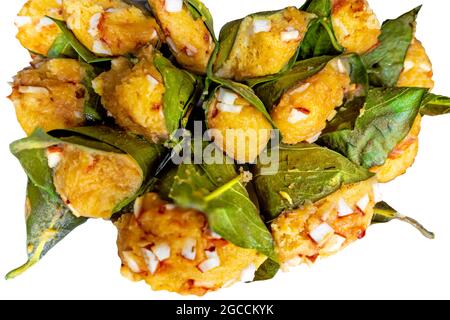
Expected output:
{"points": [[303, 110], [157, 106], [80, 93], [359, 211], [166, 32], [313, 259], [162, 209], [53, 149], [218, 243], [362, 234], [214, 112], [68, 202], [206, 37]]}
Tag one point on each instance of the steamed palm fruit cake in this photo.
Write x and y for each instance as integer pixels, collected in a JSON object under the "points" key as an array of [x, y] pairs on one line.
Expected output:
{"points": [[93, 183], [417, 72], [259, 37], [325, 227], [187, 36], [110, 27], [106, 92], [37, 32], [50, 95], [355, 25], [302, 112], [133, 95], [173, 249], [242, 130]]}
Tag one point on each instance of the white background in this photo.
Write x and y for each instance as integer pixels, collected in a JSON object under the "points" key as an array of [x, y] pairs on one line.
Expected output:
{"points": [[393, 261]]}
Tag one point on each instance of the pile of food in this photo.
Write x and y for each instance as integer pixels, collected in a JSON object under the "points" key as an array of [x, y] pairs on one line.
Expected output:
{"points": [[112, 82]]}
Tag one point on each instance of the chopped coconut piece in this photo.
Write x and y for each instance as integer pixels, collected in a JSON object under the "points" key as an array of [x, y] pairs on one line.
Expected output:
{"points": [[137, 207], [174, 5], [321, 233], [44, 22], [212, 262], [33, 90], [248, 274], [377, 196], [161, 251], [171, 44], [344, 209], [100, 47], [301, 89], [334, 244], [214, 235], [363, 203], [408, 65], [290, 35], [223, 107], [261, 25], [314, 138], [54, 158], [190, 50], [93, 24], [170, 206], [21, 21], [189, 249], [226, 96], [152, 81], [425, 67], [130, 260], [296, 116], [150, 260]]}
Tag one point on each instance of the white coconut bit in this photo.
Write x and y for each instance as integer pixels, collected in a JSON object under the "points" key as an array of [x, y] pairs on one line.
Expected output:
{"points": [[223, 107], [409, 65], [261, 25], [150, 260], [344, 209], [314, 138], [301, 89], [377, 196], [189, 250], [211, 263], [174, 5], [425, 67], [44, 22], [248, 274], [332, 115], [322, 232], [161, 251], [363, 203], [33, 90], [21, 21], [78, 114], [334, 244], [296, 116], [137, 207], [131, 262], [54, 158], [93, 24], [152, 82], [171, 44], [170, 206], [191, 50], [294, 262], [226, 96], [338, 24], [290, 35], [214, 235], [100, 47]]}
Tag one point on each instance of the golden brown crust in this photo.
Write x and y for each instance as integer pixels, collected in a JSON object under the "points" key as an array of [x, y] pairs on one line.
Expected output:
{"points": [[292, 230], [355, 25], [243, 135], [316, 98], [161, 223], [36, 32], [189, 39], [265, 53], [110, 27], [92, 184], [50, 95], [133, 95]]}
